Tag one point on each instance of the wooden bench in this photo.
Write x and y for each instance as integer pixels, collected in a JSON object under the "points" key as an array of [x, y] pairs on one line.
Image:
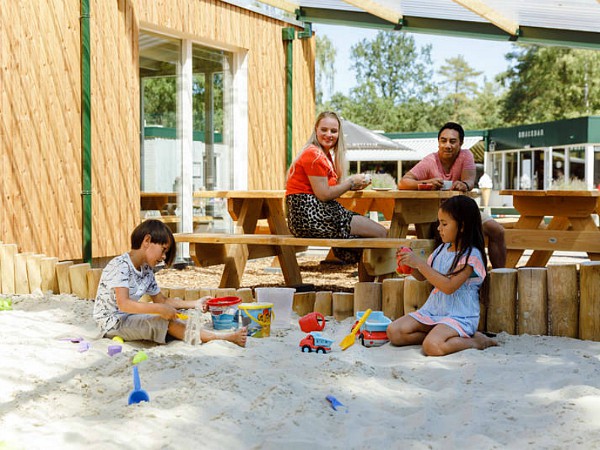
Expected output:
{"points": [[209, 249]]}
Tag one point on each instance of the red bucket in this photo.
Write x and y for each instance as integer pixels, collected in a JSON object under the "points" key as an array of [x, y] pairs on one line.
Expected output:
{"points": [[223, 310]]}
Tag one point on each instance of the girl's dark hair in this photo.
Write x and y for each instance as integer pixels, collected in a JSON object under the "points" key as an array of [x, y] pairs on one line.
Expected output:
{"points": [[469, 234], [159, 234]]}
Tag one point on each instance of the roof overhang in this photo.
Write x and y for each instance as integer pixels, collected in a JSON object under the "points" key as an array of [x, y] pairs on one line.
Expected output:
{"points": [[571, 23]]}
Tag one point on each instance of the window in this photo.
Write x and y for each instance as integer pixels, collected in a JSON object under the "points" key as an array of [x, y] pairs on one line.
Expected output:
{"points": [[186, 142]]}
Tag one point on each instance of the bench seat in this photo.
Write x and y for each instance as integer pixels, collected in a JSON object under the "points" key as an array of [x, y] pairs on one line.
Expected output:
{"points": [[289, 240]]}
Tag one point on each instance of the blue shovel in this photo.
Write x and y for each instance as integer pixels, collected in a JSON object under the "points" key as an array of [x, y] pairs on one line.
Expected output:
{"points": [[138, 394]]}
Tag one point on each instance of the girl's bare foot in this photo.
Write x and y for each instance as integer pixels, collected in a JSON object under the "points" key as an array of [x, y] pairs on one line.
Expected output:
{"points": [[481, 341]]}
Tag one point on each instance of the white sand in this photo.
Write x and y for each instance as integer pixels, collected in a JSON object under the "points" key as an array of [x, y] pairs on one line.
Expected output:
{"points": [[530, 392]]}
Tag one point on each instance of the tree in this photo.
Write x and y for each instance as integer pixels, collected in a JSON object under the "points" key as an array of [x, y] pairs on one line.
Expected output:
{"points": [[550, 83], [325, 68], [461, 87], [392, 67]]}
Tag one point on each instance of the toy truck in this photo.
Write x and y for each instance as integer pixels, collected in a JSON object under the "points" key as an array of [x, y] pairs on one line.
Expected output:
{"points": [[373, 332], [317, 342]]}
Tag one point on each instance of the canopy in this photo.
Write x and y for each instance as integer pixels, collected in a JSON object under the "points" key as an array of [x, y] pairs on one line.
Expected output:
{"points": [[360, 138], [570, 23]]}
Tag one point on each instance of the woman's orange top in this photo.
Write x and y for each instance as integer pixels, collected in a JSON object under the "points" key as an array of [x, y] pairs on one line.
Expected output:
{"points": [[312, 162]]}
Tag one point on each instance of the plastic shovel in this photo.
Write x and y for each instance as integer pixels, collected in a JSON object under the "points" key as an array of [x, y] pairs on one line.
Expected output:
{"points": [[138, 394], [351, 338]]}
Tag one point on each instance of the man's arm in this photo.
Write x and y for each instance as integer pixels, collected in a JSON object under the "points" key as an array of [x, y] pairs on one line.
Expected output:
{"points": [[410, 182]]}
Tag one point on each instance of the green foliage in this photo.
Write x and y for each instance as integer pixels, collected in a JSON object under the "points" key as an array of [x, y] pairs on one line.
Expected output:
{"points": [[550, 83], [563, 184], [460, 88], [392, 67], [325, 67]]}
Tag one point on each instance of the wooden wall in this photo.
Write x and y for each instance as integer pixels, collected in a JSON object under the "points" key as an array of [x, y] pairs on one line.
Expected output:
{"points": [[40, 187]]}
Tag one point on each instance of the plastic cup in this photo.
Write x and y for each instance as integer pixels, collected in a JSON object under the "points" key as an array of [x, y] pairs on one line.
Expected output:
{"points": [[282, 299]]}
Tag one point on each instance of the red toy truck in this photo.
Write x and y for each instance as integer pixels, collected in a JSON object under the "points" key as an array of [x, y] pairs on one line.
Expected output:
{"points": [[317, 342]]}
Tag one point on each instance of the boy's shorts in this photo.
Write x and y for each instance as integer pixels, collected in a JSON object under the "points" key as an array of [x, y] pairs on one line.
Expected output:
{"points": [[140, 327]]}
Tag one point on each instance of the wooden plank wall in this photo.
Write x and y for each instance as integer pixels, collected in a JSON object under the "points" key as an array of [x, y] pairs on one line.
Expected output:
{"points": [[40, 203], [40, 187]]}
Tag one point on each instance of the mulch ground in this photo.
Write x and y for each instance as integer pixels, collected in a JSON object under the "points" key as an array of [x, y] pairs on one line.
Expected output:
{"points": [[262, 273]]}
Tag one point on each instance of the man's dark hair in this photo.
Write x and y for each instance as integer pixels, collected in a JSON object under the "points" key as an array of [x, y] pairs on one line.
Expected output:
{"points": [[453, 126]]}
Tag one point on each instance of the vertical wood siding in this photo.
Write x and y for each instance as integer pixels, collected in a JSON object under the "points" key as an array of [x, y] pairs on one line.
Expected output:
{"points": [[40, 115]]}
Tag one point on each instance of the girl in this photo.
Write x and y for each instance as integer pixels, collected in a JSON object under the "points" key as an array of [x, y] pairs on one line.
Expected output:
{"points": [[314, 182], [126, 278], [448, 321]]}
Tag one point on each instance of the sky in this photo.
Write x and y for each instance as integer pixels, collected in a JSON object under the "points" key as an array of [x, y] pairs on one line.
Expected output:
{"points": [[482, 55]]}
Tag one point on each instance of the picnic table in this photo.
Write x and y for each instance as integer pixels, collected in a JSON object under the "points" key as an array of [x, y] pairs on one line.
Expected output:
{"points": [[246, 208], [571, 227]]}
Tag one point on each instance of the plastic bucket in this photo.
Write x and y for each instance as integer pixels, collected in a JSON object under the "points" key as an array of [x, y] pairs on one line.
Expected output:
{"points": [[257, 317], [313, 321], [223, 311], [282, 300]]}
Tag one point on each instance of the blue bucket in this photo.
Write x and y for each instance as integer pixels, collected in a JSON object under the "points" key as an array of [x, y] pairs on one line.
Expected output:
{"points": [[223, 310]]}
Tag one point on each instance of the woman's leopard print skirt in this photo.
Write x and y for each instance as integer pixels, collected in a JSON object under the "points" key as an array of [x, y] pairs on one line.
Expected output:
{"points": [[310, 217]]}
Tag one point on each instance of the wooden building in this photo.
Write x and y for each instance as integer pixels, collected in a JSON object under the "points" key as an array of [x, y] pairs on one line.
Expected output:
{"points": [[222, 70]]}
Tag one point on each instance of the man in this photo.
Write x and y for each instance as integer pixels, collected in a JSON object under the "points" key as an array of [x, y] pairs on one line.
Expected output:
{"points": [[450, 163]]}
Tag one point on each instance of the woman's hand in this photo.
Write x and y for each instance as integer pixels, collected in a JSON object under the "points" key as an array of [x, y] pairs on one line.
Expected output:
{"points": [[359, 181]]}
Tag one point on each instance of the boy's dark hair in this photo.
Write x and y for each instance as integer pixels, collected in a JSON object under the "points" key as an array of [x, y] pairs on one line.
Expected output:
{"points": [[465, 211], [453, 126], [159, 234]]}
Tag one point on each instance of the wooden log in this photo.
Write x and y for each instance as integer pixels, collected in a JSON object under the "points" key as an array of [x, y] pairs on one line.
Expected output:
{"points": [[482, 326], [206, 292], [48, 270], [324, 303], [7, 262], [532, 304], [192, 294], [145, 299], [177, 292], [34, 272], [343, 305], [589, 306], [78, 279], [367, 295], [416, 293], [245, 294], [93, 280], [21, 279], [226, 292], [502, 304], [165, 291], [62, 276], [563, 301], [304, 303], [392, 298]]}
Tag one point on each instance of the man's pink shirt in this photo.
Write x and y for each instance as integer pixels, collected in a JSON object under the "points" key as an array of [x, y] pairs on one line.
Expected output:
{"points": [[431, 167]]}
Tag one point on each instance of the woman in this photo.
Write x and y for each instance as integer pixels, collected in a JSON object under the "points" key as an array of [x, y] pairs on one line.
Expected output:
{"points": [[314, 182]]}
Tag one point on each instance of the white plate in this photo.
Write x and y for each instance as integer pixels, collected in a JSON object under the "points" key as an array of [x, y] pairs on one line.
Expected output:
{"points": [[382, 189]]}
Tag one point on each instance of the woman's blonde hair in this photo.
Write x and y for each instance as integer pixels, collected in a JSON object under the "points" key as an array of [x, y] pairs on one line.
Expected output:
{"points": [[339, 149]]}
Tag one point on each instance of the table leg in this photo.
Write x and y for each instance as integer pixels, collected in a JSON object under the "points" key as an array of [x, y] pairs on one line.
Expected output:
{"points": [[539, 258], [237, 257], [287, 255], [586, 224], [525, 222]]}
